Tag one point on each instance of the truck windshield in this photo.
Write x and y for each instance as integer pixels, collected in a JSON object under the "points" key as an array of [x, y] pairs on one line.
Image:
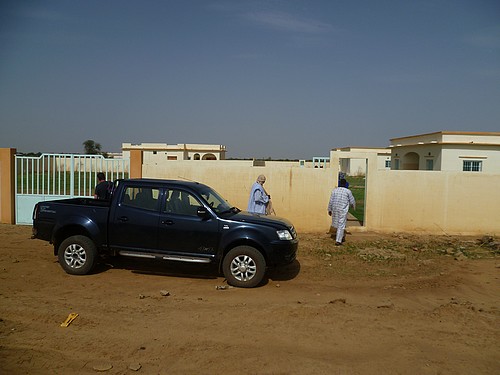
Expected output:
{"points": [[214, 200]]}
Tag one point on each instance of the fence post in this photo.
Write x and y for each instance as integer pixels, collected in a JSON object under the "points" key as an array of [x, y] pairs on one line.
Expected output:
{"points": [[72, 176], [7, 186]]}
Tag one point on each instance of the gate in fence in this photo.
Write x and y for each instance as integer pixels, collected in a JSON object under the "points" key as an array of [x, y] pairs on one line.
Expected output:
{"points": [[60, 176]]}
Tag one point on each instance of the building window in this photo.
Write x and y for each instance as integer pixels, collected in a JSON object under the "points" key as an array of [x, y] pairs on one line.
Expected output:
{"points": [[396, 164], [473, 165], [155, 152], [388, 164], [429, 165]]}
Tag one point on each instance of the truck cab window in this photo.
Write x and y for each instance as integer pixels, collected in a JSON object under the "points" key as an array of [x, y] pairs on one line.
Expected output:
{"points": [[145, 198], [181, 202]]}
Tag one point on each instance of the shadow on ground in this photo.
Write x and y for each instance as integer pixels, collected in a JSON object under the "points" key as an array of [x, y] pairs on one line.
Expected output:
{"points": [[187, 270], [159, 268], [284, 273]]}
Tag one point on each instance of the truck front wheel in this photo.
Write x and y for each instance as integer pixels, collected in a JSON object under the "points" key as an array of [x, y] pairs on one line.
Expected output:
{"points": [[244, 267], [77, 255]]}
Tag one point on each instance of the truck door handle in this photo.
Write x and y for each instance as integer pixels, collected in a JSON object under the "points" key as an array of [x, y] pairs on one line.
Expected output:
{"points": [[123, 219], [167, 222]]}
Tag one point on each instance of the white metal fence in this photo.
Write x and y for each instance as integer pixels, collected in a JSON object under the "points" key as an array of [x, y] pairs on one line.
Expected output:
{"points": [[60, 176]]}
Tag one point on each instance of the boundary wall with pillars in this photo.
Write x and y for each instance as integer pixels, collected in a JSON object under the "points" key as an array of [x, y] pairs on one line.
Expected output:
{"points": [[434, 202]]}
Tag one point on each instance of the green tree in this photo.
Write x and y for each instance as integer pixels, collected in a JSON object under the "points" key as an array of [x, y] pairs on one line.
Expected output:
{"points": [[92, 148]]}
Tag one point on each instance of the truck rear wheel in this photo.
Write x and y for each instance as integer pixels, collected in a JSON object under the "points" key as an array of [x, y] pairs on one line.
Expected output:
{"points": [[77, 255], [244, 267]]}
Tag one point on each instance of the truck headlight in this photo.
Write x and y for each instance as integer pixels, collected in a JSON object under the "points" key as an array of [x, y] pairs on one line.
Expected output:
{"points": [[284, 235]]}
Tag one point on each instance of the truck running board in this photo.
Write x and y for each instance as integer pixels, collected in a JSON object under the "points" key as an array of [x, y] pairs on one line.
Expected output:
{"points": [[178, 258], [186, 259]]}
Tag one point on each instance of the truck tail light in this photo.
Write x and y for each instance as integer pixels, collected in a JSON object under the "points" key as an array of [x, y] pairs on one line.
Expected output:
{"points": [[36, 210]]}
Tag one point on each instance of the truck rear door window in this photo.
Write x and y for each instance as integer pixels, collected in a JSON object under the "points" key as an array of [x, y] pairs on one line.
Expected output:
{"points": [[145, 198]]}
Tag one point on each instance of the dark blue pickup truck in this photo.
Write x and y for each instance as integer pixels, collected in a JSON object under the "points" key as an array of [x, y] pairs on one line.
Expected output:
{"points": [[167, 220]]}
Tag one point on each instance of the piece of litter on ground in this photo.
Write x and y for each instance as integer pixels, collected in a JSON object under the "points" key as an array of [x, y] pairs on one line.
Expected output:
{"points": [[223, 287], [164, 293], [102, 366], [135, 366], [69, 319], [338, 300], [388, 305]]}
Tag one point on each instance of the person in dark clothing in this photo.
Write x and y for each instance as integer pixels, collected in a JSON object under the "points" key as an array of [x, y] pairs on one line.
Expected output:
{"points": [[342, 176], [103, 188]]}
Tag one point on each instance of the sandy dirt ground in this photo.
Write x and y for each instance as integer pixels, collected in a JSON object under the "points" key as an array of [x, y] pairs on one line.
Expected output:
{"points": [[381, 304]]}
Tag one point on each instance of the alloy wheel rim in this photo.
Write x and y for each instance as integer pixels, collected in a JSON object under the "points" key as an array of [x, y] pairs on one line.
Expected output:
{"points": [[243, 268], [75, 256]]}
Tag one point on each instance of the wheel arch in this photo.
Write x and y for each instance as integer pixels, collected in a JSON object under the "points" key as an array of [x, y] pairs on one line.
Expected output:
{"points": [[244, 241], [67, 231]]}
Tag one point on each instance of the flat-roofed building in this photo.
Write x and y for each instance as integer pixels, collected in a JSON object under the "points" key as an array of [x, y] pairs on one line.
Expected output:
{"points": [[447, 151], [154, 153], [353, 166]]}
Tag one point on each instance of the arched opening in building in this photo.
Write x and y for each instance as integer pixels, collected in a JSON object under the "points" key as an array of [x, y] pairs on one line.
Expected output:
{"points": [[209, 157], [411, 161], [196, 157]]}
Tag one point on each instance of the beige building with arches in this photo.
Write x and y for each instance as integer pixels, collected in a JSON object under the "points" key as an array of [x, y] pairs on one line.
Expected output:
{"points": [[447, 151], [357, 167], [158, 153]]}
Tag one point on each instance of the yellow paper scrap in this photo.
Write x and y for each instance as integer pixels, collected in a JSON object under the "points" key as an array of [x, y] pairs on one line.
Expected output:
{"points": [[69, 319]]}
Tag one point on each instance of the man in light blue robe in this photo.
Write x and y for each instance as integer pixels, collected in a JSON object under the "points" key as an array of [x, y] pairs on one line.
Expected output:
{"points": [[259, 199]]}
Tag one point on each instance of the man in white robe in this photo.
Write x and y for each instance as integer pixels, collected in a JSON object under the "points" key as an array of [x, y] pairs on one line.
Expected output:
{"points": [[338, 207]]}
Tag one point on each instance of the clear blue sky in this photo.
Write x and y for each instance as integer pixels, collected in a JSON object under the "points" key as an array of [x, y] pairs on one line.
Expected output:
{"points": [[276, 78]]}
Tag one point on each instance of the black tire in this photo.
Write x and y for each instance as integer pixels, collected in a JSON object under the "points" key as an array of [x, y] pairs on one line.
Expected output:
{"points": [[244, 267], [77, 255]]}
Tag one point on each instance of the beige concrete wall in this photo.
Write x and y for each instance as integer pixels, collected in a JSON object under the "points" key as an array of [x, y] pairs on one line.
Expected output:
{"points": [[298, 194], [396, 201], [433, 202]]}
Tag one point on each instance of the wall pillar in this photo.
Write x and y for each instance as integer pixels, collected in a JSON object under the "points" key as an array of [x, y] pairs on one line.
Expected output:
{"points": [[7, 186], [371, 193], [136, 158], [335, 165]]}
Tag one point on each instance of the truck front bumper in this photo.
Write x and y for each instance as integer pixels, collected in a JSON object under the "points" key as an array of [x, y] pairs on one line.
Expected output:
{"points": [[283, 252]]}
